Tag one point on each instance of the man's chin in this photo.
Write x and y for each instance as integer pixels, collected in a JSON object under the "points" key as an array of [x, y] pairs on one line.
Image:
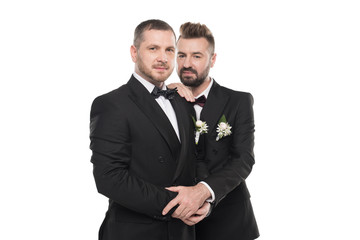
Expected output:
{"points": [[161, 77], [188, 81]]}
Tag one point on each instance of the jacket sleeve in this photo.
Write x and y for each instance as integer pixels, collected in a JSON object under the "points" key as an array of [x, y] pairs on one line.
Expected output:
{"points": [[111, 157], [241, 158]]}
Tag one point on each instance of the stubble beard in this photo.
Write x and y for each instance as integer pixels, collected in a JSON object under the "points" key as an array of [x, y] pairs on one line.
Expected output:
{"points": [[147, 72]]}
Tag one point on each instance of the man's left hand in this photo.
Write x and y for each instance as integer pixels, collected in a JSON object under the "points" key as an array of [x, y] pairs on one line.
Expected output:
{"points": [[189, 199]]}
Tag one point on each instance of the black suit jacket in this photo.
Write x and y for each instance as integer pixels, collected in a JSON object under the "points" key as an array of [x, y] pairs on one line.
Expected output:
{"points": [[136, 154], [229, 161]]}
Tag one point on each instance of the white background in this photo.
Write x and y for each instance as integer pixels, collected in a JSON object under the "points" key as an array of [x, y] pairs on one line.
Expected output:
{"points": [[299, 59]]}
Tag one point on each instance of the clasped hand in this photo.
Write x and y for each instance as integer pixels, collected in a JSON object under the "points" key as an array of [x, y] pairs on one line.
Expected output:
{"points": [[191, 202]]}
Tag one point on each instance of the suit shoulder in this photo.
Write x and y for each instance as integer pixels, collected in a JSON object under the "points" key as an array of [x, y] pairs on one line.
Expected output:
{"points": [[110, 101], [240, 102], [244, 96], [115, 94], [188, 106], [180, 99]]}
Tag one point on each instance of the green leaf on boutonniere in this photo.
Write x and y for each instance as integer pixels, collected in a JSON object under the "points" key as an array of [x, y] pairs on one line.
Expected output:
{"points": [[194, 120], [222, 119]]}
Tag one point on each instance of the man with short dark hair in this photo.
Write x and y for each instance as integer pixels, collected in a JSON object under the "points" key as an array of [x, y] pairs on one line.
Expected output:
{"points": [[228, 141], [142, 142]]}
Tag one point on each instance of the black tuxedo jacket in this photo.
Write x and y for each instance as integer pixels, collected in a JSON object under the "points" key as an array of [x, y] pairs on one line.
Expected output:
{"points": [[136, 154], [229, 162]]}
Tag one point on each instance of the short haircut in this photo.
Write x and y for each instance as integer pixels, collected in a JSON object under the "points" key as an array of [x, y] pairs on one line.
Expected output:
{"points": [[149, 25], [190, 30]]}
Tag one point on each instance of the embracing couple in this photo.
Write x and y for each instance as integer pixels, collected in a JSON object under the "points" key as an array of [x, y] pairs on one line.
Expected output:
{"points": [[173, 159]]}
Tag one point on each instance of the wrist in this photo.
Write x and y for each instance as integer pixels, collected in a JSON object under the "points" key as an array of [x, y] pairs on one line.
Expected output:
{"points": [[204, 191]]}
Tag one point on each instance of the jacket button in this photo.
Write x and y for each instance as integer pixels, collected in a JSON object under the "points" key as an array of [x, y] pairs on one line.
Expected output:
{"points": [[215, 151], [161, 159]]}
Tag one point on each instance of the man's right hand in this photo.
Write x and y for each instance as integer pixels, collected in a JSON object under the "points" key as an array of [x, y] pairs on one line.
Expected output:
{"points": [[183, 91], [198, 216]]}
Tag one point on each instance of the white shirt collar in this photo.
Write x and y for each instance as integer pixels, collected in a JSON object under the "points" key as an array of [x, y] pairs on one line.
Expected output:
{"points": [[148, 85], [207, 90]]}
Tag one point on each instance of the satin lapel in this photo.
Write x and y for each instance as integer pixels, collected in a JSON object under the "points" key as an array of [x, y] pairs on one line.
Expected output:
{"points": [[214, 106], [183, 124], [153, 111]]}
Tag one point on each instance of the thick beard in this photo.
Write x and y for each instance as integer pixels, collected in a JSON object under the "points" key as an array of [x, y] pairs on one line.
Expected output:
{"points": [[190, 81]]}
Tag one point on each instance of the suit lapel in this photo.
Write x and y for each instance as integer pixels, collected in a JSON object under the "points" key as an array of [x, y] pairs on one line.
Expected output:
{"points": [[183, 124], [214, 106], [143, 99]]}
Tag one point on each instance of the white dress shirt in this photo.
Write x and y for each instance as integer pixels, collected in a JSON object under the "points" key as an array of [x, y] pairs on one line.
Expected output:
{"points": [[163, 103], [198, 110]]}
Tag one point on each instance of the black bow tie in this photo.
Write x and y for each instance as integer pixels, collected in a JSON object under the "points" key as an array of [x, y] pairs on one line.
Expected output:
{"points": [[168, 94], [200, 101]]}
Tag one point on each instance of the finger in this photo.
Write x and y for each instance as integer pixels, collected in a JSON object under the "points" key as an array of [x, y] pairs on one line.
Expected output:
{"points": [[170, 205], [185, 210], [189, 211], [181, 93], [189, 97], [188, 94], [178, 212], [186, 213], [195, 218], [184, 92], [187, 222], [173, 189], [203, 210]]}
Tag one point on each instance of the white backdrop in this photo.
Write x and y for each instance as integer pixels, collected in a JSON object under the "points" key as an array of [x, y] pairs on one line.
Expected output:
{"points": [[299, 59]]}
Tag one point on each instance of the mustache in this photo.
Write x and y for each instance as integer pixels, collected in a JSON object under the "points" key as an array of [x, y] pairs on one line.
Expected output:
{"points": [[161, 65], [188, 70]]}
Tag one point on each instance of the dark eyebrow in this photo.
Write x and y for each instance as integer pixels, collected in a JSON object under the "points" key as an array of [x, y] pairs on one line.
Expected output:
{"points": [[194, 53]]}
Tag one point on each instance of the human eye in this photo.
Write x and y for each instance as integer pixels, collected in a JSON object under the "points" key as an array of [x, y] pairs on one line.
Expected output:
{"points": [[181, 56]]}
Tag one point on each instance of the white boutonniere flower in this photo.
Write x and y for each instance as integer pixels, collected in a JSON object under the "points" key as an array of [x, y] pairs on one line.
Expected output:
{"points": [[223, 128], [200, 128]]}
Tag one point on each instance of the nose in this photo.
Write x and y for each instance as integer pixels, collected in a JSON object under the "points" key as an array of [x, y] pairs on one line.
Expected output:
{"points": [[187, 62], [162, 57]]}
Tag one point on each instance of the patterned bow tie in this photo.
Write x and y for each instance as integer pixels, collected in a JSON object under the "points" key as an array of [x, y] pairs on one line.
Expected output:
{"points": [[168, 94], [200, 101]]}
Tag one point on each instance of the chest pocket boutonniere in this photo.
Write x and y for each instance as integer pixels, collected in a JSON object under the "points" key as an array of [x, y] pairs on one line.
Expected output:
{"points": [[223, 128], [200, 128]]}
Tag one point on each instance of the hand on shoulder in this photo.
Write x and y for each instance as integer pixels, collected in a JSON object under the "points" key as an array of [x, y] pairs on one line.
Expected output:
{"points": [[183, 91]]}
